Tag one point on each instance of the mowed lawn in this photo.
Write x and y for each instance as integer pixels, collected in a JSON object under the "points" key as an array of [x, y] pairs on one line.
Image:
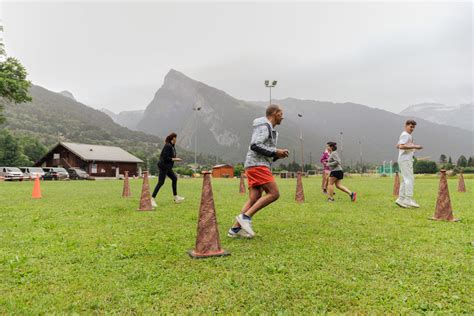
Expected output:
{"points": [[84, 249]]}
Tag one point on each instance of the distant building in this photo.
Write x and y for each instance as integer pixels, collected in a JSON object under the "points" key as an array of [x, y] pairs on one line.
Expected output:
{"points": [[223, 171], [96, 160]]}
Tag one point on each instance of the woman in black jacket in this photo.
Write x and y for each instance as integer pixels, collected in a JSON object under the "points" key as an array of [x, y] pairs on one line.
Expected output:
{"points": [[165, 167]]}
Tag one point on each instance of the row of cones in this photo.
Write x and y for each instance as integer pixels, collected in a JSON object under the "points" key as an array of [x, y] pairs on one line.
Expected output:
{"points": [[443, 210], [207, 239], [396, 184]]}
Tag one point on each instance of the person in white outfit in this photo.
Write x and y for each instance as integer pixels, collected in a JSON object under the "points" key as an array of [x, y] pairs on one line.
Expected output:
{"points": [[406, 150]]}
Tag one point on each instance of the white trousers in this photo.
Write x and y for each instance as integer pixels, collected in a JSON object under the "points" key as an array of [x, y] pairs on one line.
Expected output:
{"points": [[408, 179]]}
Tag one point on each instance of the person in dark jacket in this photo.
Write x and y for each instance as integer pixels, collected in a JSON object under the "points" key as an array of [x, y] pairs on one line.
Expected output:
{"points": [[165, 167]]}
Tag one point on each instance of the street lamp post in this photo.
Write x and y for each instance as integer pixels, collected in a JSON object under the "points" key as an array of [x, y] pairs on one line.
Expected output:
{"points": [[301, 144], [196, 109], [270, 86], [360, 156], [342, 143]]}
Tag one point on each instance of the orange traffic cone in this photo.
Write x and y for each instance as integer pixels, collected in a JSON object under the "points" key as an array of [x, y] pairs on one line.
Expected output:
{"points": [[36, 189], [207, 240], [126, 186], [299, 196], [444, 211], [461, 186], [145, 198], [396, 185], [242, 184]]}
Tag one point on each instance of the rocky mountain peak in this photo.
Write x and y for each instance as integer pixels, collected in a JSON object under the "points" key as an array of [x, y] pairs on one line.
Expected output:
{"points": [[67, 94]]}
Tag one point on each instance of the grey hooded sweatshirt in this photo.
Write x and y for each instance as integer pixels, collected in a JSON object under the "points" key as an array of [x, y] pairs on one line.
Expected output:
{"points": [[334, 162], [262, 149]]}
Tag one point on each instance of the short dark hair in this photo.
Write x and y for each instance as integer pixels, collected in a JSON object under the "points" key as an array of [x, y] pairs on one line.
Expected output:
{"points": [[272, 108], [410, 122], [170, 137]]}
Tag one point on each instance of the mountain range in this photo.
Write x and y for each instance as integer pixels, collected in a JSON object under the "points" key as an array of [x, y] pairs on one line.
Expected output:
{"points": [[52, 116], [128, 119], [460, 116], [223, 125]]}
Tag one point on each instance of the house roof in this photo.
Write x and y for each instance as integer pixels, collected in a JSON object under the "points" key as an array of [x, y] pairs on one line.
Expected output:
{"points": [[220, 166], [100, 153]]}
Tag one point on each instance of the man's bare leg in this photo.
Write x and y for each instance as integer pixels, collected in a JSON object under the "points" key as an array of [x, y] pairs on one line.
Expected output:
{"points": [[272, 194], [256, 201], [255, 193]]}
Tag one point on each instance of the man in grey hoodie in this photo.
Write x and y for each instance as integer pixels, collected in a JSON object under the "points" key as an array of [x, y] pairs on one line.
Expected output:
{"points": [[262, 152]]}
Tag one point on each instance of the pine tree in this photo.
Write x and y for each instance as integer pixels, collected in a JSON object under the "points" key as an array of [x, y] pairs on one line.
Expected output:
{"points": [[470, 162], [462, 161]]}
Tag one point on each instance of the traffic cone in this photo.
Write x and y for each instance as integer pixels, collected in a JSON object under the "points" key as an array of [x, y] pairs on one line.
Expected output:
{"points": [[461, 186], [242, 184], [396, 185], [299, 196], [36, 189], [126, 186], [443, 211], [207, 239], [145, 199]]}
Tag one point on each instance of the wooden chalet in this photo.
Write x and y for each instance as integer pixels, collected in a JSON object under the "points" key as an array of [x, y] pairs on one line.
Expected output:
{"points": [[96, 160]]}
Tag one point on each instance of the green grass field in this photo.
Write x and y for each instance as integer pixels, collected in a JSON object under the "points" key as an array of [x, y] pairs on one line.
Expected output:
{"points": [[84, 249]]}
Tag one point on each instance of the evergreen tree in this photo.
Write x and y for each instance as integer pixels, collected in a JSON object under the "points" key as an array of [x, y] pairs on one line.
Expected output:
{"points": [[462, 161], [442, 158], [32, 149], [470, 161], [10, 150], [425, 166]]}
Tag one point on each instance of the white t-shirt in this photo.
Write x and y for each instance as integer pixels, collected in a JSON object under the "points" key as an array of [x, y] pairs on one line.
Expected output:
{"points": [[405, 154]]}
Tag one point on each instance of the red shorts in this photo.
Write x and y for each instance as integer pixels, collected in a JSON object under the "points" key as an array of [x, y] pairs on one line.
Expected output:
{"points": [[259, 175]]}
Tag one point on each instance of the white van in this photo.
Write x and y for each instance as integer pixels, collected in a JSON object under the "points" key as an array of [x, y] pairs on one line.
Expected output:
{"points": [[11, 173], [32, 172]]}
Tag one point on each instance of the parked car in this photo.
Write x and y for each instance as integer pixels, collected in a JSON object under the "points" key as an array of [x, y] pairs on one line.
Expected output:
{"points": [[32, 172], [11, 173], [79, 174], [56, 174]]}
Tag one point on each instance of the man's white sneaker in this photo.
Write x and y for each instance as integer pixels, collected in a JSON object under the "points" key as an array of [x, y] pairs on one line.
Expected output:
{"points": [[178, 199], [246, 224], [412, 203], [401, 202], [241, 233], [153, 202]]}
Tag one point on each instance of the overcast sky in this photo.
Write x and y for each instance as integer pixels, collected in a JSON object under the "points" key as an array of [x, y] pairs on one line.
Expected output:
{"points": [[115, 54]]}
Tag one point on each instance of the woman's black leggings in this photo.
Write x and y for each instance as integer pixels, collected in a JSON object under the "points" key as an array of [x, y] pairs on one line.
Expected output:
{"points": [[161, 180]]}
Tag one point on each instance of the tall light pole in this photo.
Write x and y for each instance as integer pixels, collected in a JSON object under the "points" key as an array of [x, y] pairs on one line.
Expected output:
{"points": [[270, 86], [196, 109], [342, 143], [360, 156], [301, 144]]}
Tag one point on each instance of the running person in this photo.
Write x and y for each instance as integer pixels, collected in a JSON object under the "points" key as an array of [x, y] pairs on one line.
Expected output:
{"points": [[165, 167], [405, 162], [324, 160], [337, 174], [262, 152]]}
